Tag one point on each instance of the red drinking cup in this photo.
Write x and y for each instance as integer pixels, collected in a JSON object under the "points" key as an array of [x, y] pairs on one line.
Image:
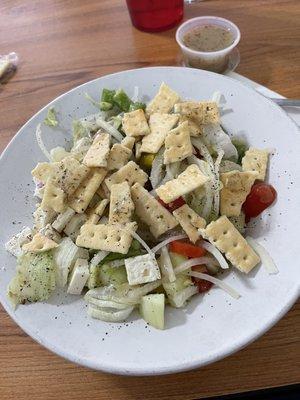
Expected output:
{"points": [[155, 15]]}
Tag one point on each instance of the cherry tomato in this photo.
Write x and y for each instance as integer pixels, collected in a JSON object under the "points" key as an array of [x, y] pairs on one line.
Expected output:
{"points": [[173, 205], [202, 284], [186, 249], [261, 196]]}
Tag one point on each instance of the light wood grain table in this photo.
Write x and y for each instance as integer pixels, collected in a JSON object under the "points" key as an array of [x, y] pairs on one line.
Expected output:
{"points": [[63, 43]]}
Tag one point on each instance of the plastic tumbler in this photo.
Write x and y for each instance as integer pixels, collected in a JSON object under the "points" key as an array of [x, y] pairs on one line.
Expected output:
{"points": [[155, 15]]}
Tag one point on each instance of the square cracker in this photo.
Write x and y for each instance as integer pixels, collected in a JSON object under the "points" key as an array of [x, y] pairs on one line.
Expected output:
{"points": [[195, 128], [121, 206], [131, 173], [134, 123], [61, 179], [68, 173], [222, 234], [256, 160], [118, 156], [114, 238], [203, 112], [190, 221], [160, 125], [85, 192], [42, 171], [95, 213], [236, 187], [128, 142], [151, 212], [39, 244], [62, 219], [53, 198], [178, 144], [97, 154], [164, 101], [138, 150], [190, 179]]}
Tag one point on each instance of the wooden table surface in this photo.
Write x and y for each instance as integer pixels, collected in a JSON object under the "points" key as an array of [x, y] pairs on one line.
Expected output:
{"points": [[63, 43]]}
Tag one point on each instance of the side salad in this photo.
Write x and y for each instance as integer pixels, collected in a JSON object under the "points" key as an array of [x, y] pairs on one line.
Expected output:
{"points": [[146, 208]]}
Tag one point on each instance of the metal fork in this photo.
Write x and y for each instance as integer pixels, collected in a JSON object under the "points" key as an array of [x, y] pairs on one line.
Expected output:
{"points": [[287, 102]]}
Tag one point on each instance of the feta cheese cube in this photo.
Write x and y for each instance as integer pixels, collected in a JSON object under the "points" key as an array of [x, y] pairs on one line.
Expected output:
{"points": [[142, 269]]}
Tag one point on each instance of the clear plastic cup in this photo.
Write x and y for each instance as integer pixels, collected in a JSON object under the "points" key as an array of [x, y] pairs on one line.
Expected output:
{"points": [[215, 61]]}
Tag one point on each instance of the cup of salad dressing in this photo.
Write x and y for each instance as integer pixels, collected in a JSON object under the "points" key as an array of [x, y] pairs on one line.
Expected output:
{"points": [[206, 42]]}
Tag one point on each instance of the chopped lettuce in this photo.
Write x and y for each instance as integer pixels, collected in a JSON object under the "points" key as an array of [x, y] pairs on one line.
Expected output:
{"points": [[35, 279], [241, 147], [137, 106], [108, 96], [65, 256], [58, 153], [102, 105], [135, 250], [118, 100], [172, 289], [79, 131], [51, 119], [121, 99], [116, 121], [214, 137]]}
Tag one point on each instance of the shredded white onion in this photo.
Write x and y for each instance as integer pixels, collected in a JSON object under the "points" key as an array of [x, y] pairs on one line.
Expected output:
{"points": [[209, 186], [167, 241], [232, 292], [166, 265], [265, 257], [109, 316], [117, 263], [135, 293], [109, 293], [38, 135], [98, 257], [173, 169], [217, 178], [216, 253], [181, 297], [191, 263], [135, 96], [216, 97], [110, 129], [156, 174], [142, 242], [198, 143], [99, 303]]}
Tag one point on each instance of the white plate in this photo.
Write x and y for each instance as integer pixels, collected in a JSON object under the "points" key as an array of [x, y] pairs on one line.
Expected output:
{"points": [[212, 326]]}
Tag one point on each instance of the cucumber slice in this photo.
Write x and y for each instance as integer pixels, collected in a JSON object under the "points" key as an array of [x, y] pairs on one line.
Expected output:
{"points": [[115, 276], [94, 279], [152, 310]]}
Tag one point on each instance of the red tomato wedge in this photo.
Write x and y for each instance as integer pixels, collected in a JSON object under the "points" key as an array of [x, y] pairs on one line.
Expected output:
{"points": [[186, 249], [202, 284], [261, 196], [173, 205]]}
